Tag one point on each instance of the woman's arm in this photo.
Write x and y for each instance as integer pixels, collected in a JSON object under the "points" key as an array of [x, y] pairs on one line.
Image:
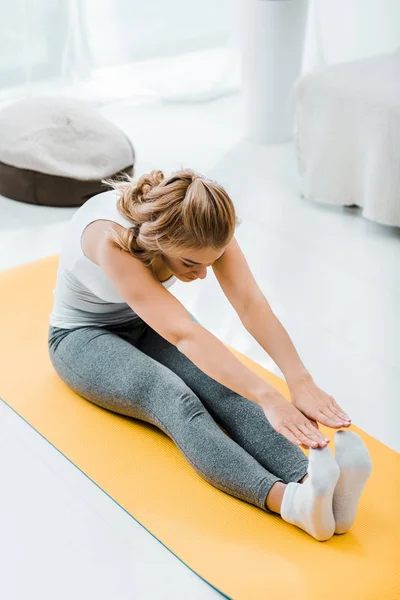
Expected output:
{"points": [[241, 289], [207, 352], [269, 332], [166, 315]]}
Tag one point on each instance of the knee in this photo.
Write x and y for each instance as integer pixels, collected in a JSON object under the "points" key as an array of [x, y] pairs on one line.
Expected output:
{"points": [[186, 405]]}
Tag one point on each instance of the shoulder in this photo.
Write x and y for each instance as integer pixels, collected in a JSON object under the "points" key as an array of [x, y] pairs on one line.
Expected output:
{"points": [[96, 235]]}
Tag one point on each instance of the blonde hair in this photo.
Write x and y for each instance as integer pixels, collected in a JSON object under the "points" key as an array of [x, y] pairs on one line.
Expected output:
{"points": [[185, 210]]}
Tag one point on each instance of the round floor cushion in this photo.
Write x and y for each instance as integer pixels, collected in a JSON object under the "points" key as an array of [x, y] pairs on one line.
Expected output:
{"points": [[55, 150]]}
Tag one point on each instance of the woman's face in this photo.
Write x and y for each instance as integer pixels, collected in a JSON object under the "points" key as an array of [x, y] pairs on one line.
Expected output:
{"points": [[182, 263]]}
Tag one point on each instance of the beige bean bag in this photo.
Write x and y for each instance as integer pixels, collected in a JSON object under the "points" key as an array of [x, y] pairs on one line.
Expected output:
{"points": [[55, 151]]}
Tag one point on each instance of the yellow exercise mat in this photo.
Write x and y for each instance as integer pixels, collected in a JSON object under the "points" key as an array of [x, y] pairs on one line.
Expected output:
{"points": [[240, 550]]}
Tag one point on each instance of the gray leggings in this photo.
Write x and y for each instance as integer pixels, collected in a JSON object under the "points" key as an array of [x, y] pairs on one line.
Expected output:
{"points": [[130, 369]]}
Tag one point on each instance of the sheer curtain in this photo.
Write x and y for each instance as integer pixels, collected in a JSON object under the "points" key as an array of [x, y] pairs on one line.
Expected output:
{"points": [[175, 50], [104, 50]]}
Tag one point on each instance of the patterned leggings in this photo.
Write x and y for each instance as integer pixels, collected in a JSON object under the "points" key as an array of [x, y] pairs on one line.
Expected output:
{"points": [[130, 369]]}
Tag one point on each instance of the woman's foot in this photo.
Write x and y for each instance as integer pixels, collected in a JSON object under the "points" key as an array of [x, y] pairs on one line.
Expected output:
{"points": [[308, 505], [355, 465]]}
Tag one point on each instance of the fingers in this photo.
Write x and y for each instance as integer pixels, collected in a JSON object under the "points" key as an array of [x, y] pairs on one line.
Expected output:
{"points": [[297, 437], [335, 408], [335, 414], [331, 420], [309, 435], [289, 435]]}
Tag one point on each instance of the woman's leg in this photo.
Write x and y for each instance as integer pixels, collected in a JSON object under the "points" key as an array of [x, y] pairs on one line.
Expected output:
{"points": [[101, 365], [243, 419]]}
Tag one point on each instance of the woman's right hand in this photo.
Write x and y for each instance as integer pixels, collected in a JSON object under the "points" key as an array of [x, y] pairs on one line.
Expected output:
{"points": [[291, 422]]}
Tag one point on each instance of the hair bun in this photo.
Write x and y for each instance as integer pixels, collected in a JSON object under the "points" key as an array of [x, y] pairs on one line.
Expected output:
{"points": [[136, 229], [146, 183]]}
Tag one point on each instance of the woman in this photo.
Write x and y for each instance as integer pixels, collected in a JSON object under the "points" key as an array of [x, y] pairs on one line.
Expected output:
{"points": [[119, 339]]}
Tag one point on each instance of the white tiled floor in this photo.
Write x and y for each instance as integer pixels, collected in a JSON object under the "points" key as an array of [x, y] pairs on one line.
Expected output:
{"points": [[332, 278]]}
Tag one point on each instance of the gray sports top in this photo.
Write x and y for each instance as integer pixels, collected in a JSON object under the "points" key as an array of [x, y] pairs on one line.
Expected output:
{"points": [[83, 294]]}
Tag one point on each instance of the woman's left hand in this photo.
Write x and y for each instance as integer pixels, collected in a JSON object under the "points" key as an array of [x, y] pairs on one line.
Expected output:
{"points": [[315, 404]]}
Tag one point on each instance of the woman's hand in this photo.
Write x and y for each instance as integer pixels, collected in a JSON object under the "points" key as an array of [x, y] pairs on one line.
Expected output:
{"points": [[317, 405], [290, 422]]}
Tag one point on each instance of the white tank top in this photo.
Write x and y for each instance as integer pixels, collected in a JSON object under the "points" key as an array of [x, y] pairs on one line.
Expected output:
{"points": [[83, 294]]}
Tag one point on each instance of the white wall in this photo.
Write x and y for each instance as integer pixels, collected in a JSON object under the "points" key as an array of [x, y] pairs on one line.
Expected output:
{"points": [[350, 30]]}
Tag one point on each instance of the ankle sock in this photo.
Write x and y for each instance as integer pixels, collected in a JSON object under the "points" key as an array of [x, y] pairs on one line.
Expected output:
{"points": [[355, 465], [308, 505]]}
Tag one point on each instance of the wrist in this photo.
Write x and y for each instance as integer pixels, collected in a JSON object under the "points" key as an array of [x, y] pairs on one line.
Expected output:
{"points": [[267, 395], [299, 379]]}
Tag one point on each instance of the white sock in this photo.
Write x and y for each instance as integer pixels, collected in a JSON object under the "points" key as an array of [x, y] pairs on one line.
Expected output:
{"points": [[308, 505], [355, 466]]}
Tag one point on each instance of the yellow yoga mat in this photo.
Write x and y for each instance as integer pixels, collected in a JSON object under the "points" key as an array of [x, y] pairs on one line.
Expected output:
{"points": [[240, 550]]}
